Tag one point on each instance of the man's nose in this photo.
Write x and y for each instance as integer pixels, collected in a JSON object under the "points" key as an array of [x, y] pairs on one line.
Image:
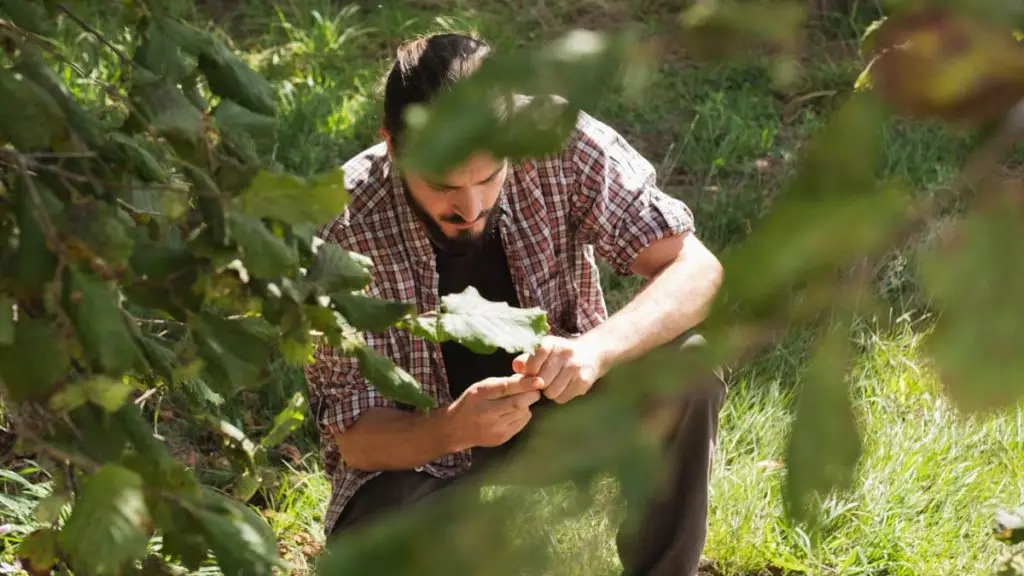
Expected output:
{"points": [[469, 206]]}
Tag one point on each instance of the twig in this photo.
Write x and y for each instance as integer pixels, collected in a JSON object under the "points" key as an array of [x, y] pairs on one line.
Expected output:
{"points": [[49, 230], [145, 396], [59, 155], [96, 34], [57, 170]]}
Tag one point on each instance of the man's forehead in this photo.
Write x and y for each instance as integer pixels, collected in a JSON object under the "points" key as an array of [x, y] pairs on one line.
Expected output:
{"points": [[476, 169]]}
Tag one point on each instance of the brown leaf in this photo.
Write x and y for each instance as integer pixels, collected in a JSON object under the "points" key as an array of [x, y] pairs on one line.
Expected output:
{"points": [[291, 452], [933, 64]]}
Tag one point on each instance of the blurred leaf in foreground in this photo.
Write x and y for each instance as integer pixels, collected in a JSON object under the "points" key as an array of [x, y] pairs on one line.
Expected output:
{"points": [[720, 28], [519, 105], [824, 445], [294, 200], [391, 379], [33, 338], [976, 281], [449, 535], [935, 63], [110, 522], [831, 211]]}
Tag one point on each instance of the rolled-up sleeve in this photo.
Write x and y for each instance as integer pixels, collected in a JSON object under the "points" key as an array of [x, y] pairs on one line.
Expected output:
{"points": [[615, 203], [338, 393]]}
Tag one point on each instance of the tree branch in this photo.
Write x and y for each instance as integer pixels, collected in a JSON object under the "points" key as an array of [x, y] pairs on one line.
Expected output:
{"points": [[96, 34]]}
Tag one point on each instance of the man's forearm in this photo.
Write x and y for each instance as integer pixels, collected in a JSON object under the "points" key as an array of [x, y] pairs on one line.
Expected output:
{"points": [[390, 439], [677, 298]]}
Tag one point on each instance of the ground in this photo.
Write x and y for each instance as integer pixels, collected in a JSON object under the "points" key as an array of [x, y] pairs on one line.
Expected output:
{"points": [[723, 137]]}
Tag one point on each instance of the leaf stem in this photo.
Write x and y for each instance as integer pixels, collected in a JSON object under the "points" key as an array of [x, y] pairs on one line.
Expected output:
{"points": [[96, 34]]}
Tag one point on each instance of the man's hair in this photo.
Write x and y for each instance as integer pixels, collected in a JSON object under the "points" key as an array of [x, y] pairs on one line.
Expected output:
{"points": [[423, 69]]}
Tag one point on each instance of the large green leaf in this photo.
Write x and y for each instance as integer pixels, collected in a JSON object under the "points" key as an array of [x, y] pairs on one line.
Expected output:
{"points": [[484, 326], [103, 230], [240, 539], [391, 380], [294, 200], [34, 264], [93, 305], [33, 338], [336, 269], [39, 122], [35, 67], [233, 79], [245, 131], [833, 190], [236, 355], [38, 551], [153, 460], [105, 392], [162, 360], [29, 15], [131, 151], [824, 444], [286, 421], [975, 281], [182, 533], [109, 524], [106, 436], [167, 110], [156, 260], [264, 255], [370, 314], [160, 53]]}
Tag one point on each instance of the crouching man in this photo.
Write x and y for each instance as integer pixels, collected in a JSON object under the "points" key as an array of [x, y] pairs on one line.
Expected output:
{"points": [[528, 234]]}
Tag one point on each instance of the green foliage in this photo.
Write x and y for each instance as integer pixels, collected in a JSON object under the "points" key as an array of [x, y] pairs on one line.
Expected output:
{"points": [[162, 250]]}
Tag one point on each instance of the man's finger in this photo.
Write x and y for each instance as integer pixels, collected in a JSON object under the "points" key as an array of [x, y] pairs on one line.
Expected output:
{"points": [[532, 363], [572, 389], [559, 383], [519, 363], [552, 367], [516, 403], [494, 388], [519, 422]]}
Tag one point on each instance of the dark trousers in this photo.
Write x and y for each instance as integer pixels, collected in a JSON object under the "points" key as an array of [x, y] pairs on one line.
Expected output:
{"points": [[669, 530]]}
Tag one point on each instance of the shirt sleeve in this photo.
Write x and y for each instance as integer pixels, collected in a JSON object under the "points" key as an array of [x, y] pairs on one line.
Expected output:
{"points": [[615, 203], [338, 393]]}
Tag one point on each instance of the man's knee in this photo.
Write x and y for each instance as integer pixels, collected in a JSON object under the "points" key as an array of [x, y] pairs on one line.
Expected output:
{"points": [[703, 388], [707, 380]]}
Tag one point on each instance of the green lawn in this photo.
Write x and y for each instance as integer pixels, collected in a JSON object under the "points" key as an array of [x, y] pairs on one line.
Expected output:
{"points": [[723, 138]]}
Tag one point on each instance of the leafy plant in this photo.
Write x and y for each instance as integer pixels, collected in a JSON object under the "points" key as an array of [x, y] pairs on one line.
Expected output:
{"points": [[161, 250]]}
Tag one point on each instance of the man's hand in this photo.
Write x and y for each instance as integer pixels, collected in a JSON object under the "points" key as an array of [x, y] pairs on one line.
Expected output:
{"points": [[570, 367], [492, 411]]}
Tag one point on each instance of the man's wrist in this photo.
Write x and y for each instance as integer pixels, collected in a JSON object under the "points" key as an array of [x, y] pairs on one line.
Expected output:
{"points": [[442, 427], [604, 353]]}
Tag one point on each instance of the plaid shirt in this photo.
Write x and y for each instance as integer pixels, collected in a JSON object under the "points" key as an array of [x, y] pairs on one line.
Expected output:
{"points": [[597, 197]]}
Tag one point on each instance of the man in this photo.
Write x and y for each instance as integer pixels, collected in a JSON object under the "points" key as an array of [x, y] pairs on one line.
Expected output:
{"points": [[526, 234]]}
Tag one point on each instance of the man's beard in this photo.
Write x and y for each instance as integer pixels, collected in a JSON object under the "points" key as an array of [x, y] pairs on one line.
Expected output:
{"points": [[466, 242]]}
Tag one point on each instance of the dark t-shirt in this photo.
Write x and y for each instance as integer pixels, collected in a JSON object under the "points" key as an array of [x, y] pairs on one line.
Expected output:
{"points": [[485, 269]]}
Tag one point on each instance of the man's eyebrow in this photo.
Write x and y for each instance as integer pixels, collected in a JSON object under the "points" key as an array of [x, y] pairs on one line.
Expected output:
{"points": [[450, 187]]}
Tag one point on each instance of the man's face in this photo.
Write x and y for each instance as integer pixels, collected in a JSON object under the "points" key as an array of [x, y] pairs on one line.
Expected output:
{"points": [[459, 207]]}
